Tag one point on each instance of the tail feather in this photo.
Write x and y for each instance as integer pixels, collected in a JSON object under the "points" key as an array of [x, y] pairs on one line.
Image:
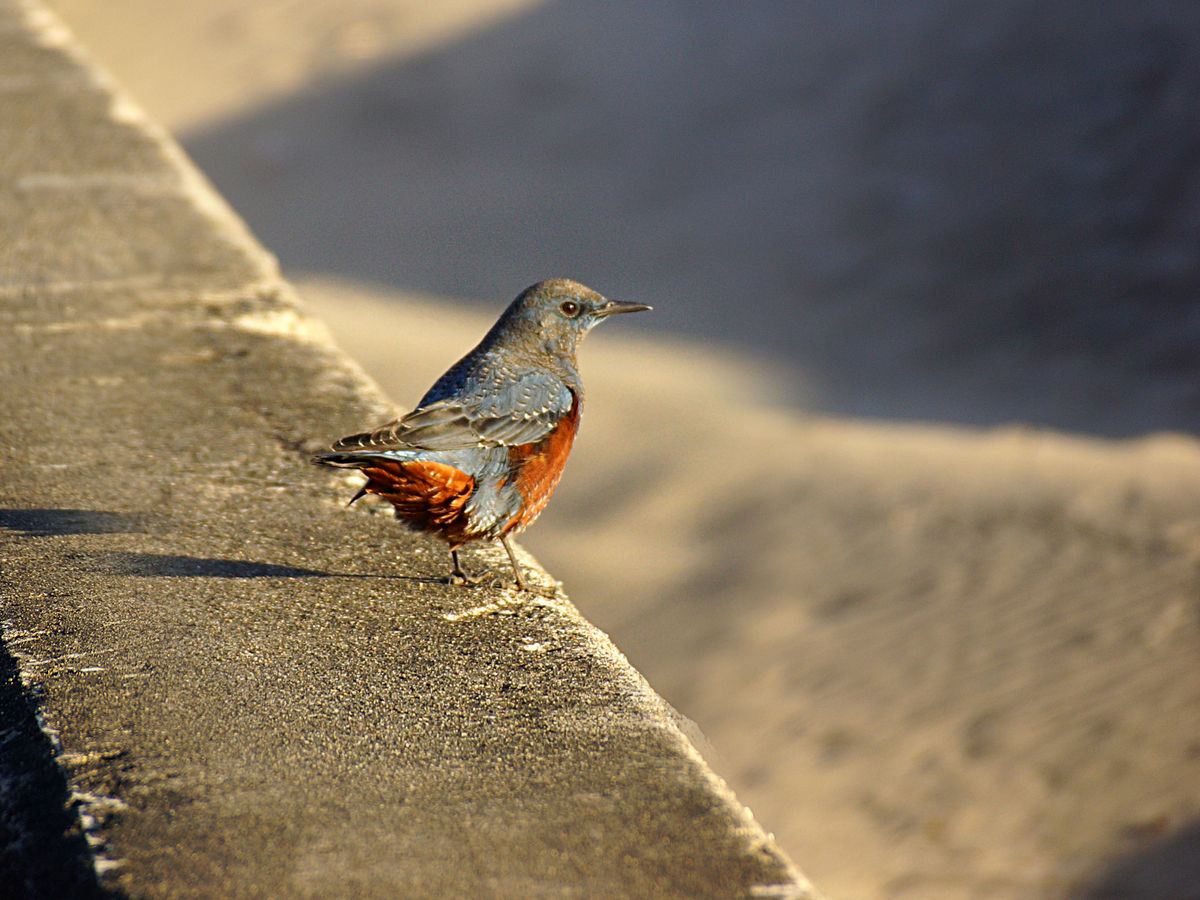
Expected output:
{"points": [[428, 495], [342, 460], [346, 461]]}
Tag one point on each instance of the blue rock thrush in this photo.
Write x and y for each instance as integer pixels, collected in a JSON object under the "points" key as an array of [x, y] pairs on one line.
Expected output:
{"points": [[483, 451]]}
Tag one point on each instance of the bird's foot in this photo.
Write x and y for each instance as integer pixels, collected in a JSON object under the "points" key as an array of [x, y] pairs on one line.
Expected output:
{"points": [[459, 578], [458, 575], [524, 586], [521, 585]]}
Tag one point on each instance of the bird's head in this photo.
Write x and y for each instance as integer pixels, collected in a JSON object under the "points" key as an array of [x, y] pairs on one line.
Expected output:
{"points": [[554, 315]]}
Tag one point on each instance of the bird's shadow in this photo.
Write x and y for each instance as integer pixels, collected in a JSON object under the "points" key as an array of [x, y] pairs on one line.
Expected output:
{"points": [[50, 522], [173, 565], [170, 565]]}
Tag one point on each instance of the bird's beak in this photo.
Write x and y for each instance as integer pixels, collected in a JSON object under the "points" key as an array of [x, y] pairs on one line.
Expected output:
{"points": [[616, 307]]}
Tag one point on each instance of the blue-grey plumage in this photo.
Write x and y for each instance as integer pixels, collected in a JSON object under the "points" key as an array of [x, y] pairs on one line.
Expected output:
{"points": [[483, 451]]}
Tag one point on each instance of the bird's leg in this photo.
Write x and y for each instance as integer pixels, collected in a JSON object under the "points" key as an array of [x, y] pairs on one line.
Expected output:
{"points": [[512, 557], [458, 575]]}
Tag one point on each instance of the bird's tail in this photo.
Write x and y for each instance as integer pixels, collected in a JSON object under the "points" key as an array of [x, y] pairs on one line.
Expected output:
{"points": [[346, 461], [417, 486], [342, 460]]}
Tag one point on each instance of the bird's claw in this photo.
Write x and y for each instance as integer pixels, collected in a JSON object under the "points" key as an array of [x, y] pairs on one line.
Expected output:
{"points": [[462, 579]]}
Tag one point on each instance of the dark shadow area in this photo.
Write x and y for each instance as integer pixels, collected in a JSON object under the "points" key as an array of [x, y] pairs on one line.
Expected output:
{"points": [[171, 566], [48, 522], [161, 565], [43, 853], [1168, 869], [976, 213]]}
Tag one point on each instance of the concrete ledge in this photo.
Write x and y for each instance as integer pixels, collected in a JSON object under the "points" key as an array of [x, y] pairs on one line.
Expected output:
{"points": [[232, 685]]}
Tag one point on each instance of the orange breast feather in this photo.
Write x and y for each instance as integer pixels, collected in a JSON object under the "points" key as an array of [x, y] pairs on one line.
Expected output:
{"points": [[539, 466]]}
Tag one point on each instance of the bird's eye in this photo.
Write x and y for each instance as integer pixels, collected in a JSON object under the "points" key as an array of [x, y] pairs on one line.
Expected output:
{"points": [[569, 308]]}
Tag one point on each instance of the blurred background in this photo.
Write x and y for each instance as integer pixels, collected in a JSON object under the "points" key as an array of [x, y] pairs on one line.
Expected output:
{"points": [[896, 492]]}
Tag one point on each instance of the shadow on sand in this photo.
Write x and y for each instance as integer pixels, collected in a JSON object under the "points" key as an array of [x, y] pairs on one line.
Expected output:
{"points": [[1168, 869], [917, 210]]}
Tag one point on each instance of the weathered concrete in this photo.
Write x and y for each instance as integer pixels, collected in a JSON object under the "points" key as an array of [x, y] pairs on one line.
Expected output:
{"points": [[250, 690]]}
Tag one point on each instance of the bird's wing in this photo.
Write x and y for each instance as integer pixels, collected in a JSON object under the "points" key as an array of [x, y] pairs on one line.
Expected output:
{"points": [[523, 410]]}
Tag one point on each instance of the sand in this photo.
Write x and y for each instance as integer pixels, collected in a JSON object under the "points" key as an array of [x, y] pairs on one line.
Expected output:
{"points": [[937, 660]]}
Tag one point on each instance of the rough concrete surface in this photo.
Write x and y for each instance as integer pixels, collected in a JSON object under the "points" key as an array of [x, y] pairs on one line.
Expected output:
{"points": [[242, 688], [940, 663]]}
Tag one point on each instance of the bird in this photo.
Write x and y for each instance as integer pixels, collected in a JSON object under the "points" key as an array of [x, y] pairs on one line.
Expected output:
{"points": [[484, 449]]}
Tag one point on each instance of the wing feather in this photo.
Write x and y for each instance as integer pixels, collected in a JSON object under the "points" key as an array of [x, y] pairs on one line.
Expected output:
{"points": [[523, 410]]}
